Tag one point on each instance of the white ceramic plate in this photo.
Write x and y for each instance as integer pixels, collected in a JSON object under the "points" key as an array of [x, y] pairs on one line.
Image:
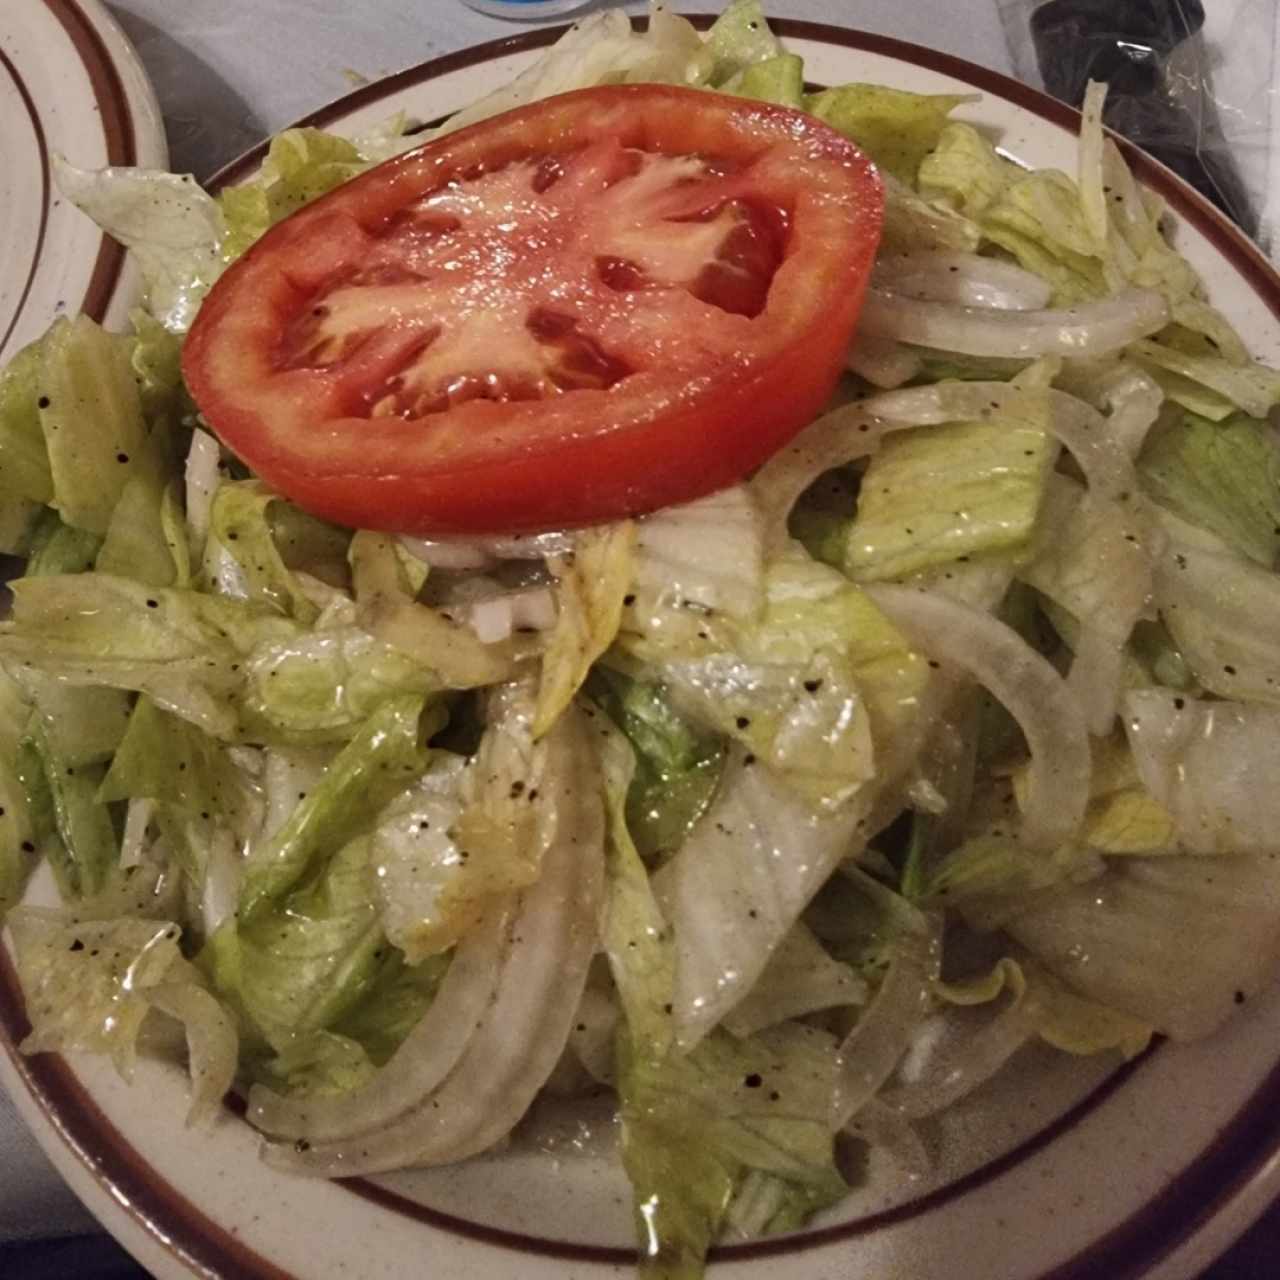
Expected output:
{"points": [[1059, 1170], [71, 85]]}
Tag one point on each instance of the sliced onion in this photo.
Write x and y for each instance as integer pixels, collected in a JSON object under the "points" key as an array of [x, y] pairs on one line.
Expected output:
{"points": [[872, 1050], [841, 436], [1133, 399], [213, 1047], [201, 481], [1086, 329], [448, 554], [513, 1045], [221, 891], [965, 1061], [486, 553], [800, 978], [133, 842], [429, 1052], [1030, 689], [888, 1130], [964, 279], [883, 363], [496, 617]]}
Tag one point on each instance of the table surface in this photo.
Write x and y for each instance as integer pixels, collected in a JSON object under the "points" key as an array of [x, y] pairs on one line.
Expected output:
{"points": [[229, 72]]}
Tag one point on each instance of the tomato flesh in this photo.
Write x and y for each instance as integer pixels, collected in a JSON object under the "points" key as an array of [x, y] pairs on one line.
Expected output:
{"points": [[584, 309]]}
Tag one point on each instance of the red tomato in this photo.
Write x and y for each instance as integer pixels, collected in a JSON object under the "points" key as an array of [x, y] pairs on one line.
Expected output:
{"points": [[590, 307]]}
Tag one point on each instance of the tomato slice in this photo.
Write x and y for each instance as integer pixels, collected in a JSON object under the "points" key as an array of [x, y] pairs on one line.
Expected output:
{"points": [[590, 307]]}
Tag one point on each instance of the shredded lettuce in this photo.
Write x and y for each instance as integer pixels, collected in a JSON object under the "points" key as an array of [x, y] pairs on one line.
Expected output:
{"points": [[940, 493], [1222, 476], [312, 797], [895, 128], [592, 579], [378, 763]]}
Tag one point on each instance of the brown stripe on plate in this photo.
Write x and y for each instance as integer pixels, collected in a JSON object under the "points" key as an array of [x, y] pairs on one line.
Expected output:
{"points": [[1188, 1200], [117, 129], [37, 128], [125, 1177]]}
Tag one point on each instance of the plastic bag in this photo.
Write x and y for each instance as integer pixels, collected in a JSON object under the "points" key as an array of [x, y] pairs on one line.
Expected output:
{"points": [[1190, 83]]}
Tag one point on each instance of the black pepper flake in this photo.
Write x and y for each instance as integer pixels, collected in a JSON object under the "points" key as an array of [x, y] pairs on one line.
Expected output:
{"points": [[1239, 997], [42, 403], [754, 1080], [812, 686], [748, 759], [1229, 669], [302, 1146], [28, 847], [743, 721], [1179, 703], [629, 598], [122, 457], [77, 945], [153, 604]]}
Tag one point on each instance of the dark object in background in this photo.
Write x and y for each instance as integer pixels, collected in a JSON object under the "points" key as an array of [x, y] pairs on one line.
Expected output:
{"points": [[1159, 95]]}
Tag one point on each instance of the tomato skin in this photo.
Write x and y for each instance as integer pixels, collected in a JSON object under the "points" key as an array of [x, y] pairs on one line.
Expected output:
{"points": [[709, 394]]}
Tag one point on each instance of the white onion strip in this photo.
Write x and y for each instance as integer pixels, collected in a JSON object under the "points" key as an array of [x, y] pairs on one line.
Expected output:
{"points": [[872, 1050], [883, 363], [1086, 329], [841, 436], [962, 279], [1030, 689], [517, 1042], [201, 479], [429, 1052], [962, 1067], [882, 1127]]}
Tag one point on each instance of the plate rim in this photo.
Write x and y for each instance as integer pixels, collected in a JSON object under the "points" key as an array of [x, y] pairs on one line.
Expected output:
{"points": [[127, 117], [1133, 1248]]}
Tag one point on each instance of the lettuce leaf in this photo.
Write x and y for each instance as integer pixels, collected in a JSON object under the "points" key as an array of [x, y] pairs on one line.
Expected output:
{"points": [[164, 758], [895, 128], [300, 165], [777, 79], [738, 40], [171, 226], [91, 984], [695, 1126], [964, 171], [591, 581], [378, 763], [182, 648], [1223, 477], [677, 764], [87, 849], [302, 963], [472, 832], [1174, 942], [24, 460], [239, 528], [91, 416], [935, 494]]}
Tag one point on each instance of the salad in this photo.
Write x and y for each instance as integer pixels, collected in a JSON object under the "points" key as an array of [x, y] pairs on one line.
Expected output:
{"points": [[783, 773]]}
